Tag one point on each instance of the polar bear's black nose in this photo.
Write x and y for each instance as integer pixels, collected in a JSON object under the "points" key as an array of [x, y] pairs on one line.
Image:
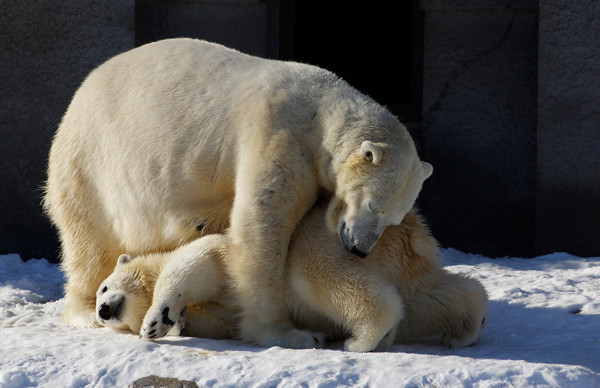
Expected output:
{"points": [[105, 312], [358, 252], [349, 244]]}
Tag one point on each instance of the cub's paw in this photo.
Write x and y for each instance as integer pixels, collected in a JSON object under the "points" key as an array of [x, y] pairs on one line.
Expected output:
{"points": [[160, 322]]}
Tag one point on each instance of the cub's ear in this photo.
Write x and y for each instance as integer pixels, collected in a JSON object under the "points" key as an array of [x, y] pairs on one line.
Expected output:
{"points": [[371, 152], [427, 170], [123, 259]]}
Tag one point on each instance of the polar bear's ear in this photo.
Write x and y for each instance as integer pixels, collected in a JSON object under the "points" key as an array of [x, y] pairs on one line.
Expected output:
{"points": [[123, 259], [371, 152], [427, 170]]}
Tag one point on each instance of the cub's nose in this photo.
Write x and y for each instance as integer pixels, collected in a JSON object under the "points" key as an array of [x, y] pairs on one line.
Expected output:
{"points": [[105, 312]]}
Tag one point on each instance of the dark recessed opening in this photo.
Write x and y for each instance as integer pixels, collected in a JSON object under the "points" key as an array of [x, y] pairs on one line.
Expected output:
{"points": [[376, 48]]}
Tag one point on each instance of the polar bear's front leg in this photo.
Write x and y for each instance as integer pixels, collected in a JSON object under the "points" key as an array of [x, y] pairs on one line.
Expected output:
{"points": [[273, 191], [195, 274]]}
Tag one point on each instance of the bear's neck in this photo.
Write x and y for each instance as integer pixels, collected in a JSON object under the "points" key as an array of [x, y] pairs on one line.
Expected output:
{"points": [[345, 122]]}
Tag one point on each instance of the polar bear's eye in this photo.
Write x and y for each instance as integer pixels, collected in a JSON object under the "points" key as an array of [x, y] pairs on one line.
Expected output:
{"points": [[104, 289], [372, 209]]}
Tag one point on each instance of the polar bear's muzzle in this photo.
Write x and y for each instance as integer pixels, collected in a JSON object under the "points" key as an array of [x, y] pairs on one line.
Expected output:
{"points": [[111, 309], [358, 243]]}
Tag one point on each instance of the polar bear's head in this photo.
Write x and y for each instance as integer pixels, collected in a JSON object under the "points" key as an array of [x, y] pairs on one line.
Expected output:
{"points": [[376, 186], [124, 297]]}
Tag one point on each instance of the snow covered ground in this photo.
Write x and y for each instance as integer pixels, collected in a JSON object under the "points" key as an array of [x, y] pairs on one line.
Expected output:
{"points": [[543, 331]]}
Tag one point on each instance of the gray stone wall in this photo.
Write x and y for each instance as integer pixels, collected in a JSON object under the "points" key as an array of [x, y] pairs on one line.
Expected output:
{"points": [[568, 136], [511, 119], [247, 25], [511, 122], [46, 49], [479, 124]]}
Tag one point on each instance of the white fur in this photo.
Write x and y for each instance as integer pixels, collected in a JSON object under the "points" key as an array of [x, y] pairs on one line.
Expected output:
{"points": [[180, 138], [399, 292], [197, 274]]}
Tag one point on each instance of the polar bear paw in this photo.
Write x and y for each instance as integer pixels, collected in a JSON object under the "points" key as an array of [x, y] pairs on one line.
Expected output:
{"points": [[369, 343], [162, 321], [83, 319]]}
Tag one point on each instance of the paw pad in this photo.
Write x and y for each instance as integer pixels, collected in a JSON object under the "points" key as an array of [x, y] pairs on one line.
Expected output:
{"points": [[165, 317]]}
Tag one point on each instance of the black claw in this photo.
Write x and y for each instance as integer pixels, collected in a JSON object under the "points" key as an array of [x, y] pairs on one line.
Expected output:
{"points": [[152, 332], [153, 324], [152, 336]]}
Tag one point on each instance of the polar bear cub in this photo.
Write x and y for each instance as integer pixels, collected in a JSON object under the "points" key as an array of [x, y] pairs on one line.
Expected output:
{"points": [[398, 292], [125, 296]]}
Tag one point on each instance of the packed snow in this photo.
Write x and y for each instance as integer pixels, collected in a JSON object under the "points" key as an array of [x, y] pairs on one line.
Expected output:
{"points": [[543, 331]]}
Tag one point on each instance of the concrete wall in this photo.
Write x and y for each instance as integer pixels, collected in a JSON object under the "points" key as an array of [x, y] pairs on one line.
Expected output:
{"points": [[511, 119], [247, 25], [568, 136], [511, 122], [46, 49], [479, 124]]}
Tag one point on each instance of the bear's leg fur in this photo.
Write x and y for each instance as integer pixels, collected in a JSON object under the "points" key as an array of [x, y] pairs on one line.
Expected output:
{"points": [[271, 197], [452, 305], [468, 326], [86, 263], [89, 251], [194, 274], [364, 304], [212, 320]]}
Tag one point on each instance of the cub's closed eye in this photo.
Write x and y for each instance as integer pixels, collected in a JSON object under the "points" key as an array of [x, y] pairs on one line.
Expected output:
{"points": [[371, 207]]}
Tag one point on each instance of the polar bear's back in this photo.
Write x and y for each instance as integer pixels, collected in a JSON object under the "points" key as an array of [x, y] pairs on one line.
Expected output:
{"points": [[151, 138], [144, 135], [175, 82], [181, 97]]}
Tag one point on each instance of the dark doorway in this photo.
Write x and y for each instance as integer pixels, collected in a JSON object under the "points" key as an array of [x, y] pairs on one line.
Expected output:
{"points": [[377, 48]]}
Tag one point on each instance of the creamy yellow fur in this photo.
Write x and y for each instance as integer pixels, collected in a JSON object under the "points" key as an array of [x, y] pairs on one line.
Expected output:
{"points": [[180, 138], [399, 292], [133, 284]]}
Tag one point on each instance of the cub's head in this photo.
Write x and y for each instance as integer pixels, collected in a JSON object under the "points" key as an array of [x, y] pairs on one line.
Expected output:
{"points": [[376, 186], [125, 296]]}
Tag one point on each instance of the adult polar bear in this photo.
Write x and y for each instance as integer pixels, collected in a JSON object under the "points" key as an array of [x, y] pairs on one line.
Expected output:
{"points": [[181, 137]]}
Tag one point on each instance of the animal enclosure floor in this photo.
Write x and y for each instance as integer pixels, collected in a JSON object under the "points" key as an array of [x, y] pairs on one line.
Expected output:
{"points": [[543, 331]]}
